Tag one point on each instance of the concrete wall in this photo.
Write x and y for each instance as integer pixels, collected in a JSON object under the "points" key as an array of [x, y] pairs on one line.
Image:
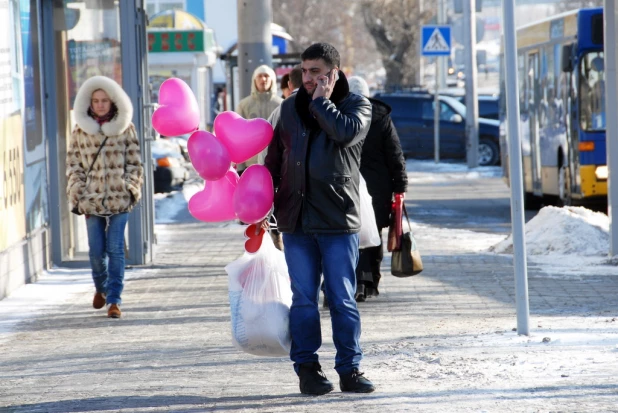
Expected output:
{"points": [[24, 262]]}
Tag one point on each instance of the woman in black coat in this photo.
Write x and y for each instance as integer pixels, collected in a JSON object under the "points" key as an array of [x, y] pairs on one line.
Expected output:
{"points": [[384, 168]]}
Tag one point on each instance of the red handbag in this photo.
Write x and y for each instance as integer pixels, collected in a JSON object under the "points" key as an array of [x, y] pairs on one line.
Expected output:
{"points": [[395, 230]]}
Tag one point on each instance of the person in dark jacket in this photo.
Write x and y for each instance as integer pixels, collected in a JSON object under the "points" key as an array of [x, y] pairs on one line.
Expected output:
{"points": [[314, 158], [384, 168]]}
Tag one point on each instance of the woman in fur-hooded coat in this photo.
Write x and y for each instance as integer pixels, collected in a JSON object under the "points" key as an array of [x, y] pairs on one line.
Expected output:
{"points": [[114, 183], [104, 181]]}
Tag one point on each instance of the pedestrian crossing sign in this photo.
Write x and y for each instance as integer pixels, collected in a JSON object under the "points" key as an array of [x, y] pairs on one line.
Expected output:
{"points": [[436, 40]]}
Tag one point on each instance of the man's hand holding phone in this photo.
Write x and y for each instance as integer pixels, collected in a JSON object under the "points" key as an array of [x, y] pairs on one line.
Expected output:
{"points": [[326, 84]]}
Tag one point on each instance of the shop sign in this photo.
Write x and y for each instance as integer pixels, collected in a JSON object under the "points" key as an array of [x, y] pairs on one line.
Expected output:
{"points": [[176, 41]]}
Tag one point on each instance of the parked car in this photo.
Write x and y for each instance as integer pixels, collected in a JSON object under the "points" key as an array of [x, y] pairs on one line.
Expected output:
{"points": [[413, 115], [170, 166], [488, 101], [489, 106], [181, 141]]}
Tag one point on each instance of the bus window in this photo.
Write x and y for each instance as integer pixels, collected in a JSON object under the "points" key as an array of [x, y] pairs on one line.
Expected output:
{"points": [[592, 92]]}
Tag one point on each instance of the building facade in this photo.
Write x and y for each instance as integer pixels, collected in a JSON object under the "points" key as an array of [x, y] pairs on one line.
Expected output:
{"points": [[52, 47]]}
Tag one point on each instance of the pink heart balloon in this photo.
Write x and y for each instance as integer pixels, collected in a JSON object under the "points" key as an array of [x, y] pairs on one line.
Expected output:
{"points": [[254, 194], [178, 112], [209, 157], [215, 203], [243, 138]]}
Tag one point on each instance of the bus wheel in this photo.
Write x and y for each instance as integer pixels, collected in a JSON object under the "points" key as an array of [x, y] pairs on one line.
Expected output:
{"points": [[532, 201], [564, 186]]}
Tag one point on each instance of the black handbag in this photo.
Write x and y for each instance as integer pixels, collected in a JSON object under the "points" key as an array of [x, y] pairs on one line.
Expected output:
{"points": [[406, 261], [75, 209]]}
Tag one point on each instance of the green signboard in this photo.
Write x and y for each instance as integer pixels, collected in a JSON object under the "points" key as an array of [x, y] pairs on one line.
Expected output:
{"points": [[176, 41]]}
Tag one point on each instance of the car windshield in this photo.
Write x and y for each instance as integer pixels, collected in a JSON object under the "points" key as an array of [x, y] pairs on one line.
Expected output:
{"points": [[592, 92], [457, 106]]}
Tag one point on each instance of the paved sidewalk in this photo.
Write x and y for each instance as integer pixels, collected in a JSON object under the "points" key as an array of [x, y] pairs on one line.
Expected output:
{"points": [[438, 342]]}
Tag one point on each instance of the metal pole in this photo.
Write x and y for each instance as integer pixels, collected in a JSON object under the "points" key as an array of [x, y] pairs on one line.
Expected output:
{"points": [[515, 172], [436, 114], [472, 118], [254, 40], [611, 89], [57, 199], [443, 61], [133, 30]]}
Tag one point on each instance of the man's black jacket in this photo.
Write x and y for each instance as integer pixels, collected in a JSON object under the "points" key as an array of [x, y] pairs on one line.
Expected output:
{"points": [[314, 159]]}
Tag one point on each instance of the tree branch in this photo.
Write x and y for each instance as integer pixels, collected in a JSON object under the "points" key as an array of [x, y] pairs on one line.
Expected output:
{"points": [[377, 30]]}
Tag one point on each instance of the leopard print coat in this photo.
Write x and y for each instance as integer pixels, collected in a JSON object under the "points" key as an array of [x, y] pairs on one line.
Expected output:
{"points": [[114, 184]]}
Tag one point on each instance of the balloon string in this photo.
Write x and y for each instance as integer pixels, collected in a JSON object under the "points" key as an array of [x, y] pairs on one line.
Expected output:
{"points": [[272, 220]]}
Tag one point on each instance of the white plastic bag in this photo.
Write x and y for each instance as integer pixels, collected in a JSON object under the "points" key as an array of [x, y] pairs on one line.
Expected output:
{"points": [[260, 300], [369, 236]]}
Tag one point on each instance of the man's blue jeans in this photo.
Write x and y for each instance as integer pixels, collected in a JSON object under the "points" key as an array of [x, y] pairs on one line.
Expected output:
{"points": [[308, 257], [106, 244]]}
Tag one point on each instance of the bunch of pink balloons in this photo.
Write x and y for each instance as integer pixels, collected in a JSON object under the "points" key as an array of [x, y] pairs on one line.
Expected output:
{"points": [[178, 112], [225, 196]]}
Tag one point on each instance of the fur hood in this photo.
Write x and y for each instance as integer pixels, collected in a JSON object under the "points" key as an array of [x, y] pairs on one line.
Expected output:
{"points": [[82, 103]]}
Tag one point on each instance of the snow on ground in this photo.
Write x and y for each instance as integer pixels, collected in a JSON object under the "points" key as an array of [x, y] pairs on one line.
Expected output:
{"points": [[432, 172], [53, 287], [562, 354], [169, 205], [434, 239]]}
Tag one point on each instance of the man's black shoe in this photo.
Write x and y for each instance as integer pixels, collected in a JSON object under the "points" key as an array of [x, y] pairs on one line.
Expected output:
{"points": [[313, 380], [355, 382]]}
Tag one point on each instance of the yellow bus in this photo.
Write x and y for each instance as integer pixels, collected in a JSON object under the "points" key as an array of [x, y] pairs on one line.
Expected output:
{"points": [[561, 109]]}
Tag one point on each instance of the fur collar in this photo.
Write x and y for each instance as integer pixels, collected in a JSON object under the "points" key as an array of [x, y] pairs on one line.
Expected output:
{"points": [[303, 99], [118, 124]]}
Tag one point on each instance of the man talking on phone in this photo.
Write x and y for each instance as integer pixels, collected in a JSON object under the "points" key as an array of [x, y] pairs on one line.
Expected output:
{"points": [[314, 159]]}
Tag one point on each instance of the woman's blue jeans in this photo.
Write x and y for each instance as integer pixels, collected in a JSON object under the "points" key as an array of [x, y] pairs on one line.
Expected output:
{"points": [[106, 244], [308, 257]]}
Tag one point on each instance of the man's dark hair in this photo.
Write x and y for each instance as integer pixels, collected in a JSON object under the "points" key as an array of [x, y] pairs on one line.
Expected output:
{"points": [[284, 81], [296, 77], [322, 51]]}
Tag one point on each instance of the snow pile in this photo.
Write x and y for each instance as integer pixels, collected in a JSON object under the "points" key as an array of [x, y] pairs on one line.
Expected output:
{"points": [[567, 231]]}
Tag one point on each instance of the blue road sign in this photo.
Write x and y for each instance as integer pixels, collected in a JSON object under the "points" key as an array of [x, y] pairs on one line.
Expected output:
{"points": [[436, 40]]}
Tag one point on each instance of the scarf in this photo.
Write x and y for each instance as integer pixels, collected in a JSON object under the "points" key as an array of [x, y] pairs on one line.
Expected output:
{"points": [[303, 99], [113, 111]]}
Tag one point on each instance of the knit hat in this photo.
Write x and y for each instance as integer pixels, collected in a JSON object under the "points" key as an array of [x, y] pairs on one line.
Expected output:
{"points": [[358, 85]]}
